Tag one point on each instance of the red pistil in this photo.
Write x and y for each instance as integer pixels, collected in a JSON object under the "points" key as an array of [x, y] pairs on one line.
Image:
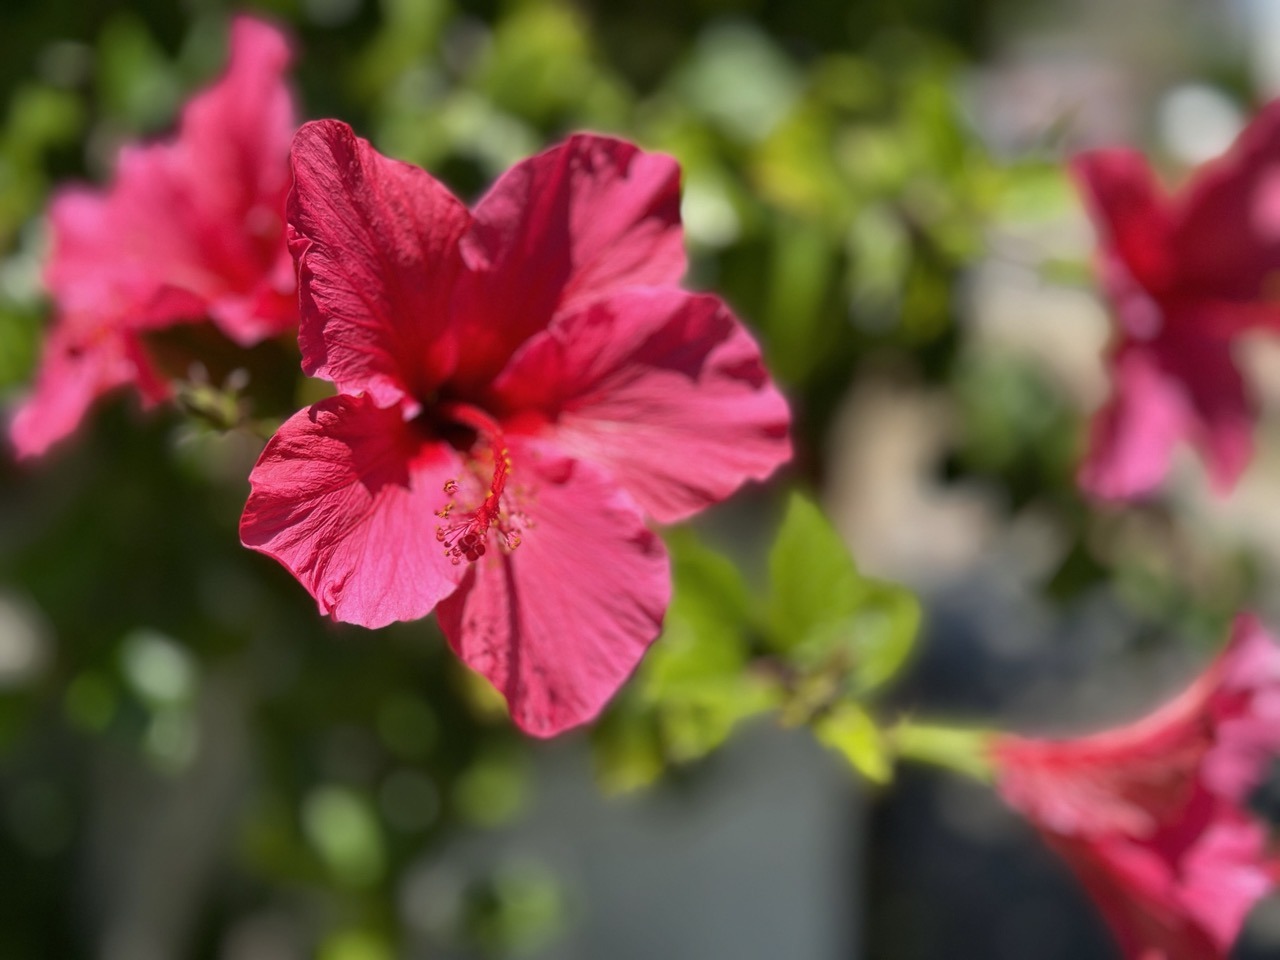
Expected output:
{"points": [[465, 539]]}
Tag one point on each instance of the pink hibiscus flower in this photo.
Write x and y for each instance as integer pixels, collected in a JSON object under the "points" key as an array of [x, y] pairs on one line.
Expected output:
{"points": [[1184, 275], [191, 229], [1152, 817], [520, 386]]}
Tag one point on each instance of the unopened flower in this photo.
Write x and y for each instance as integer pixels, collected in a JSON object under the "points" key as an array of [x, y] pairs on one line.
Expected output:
{"points": [[1185, 275], [1152, 817], [190, 229], [521, 386]]}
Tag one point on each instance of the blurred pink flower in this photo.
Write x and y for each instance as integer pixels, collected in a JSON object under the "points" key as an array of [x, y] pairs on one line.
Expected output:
{"points": [[524, 371], [1184, 275], [190, 229], [1152, 817]]}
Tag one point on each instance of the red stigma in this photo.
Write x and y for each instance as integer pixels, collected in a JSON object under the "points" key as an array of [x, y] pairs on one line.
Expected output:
{"points": [[466, 539]]}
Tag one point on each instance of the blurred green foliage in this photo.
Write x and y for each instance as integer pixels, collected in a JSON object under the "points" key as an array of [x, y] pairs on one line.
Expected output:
{"points": [[812, 643], [834, 192], [832, 195]]}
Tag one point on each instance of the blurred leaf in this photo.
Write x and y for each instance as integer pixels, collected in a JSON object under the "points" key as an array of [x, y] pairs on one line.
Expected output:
{"points": [[626, 746], [40, 119], [171, 739], [739, 79], [696, 676], [847, 83], [541, 65], [407, 725], [824, 616], [800, 330], [518, 911], [343, 829], [157, 668], [1035, 192], [409, 34], [138, 84], [849, 730], [410, 800], [695, 684], [355, 945], [879, 255], [795, 168], [90, 702], [493, 790], [40, 116], [1014, 420], [18, 339]]}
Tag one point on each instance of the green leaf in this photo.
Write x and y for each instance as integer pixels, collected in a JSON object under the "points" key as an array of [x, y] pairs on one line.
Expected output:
{"points": [[696, 676], [850, 731], [704, 634], [695, 685], [824, 616], [136, 80], [626, 748], [801, 271]]}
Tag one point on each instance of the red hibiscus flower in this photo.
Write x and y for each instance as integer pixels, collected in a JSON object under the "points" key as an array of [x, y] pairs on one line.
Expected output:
{"points": [[191, 229], [1152, 817], [520, 386], [1184, 276]]}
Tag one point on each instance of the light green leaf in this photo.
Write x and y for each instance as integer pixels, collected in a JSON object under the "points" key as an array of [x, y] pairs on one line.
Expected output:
{"points": [[695, 685], [850, 731], [696, 677], [626, 749], [824, 615]]}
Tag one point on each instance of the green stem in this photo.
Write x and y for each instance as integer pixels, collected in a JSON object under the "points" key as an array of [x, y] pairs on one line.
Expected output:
{"points": [[962, 750]]}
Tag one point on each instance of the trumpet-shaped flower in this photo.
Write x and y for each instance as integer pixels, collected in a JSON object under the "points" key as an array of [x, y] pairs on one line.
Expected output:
{"points": [[190, 229], [1185, 275], [520, 386], [1153, 818]]}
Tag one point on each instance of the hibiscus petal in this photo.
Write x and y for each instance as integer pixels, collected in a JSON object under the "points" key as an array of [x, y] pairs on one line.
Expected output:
{"points": [[664, 388], [344, 496], [72, 376], [1223, 874], [1132, 438], [191, 227], [376, 242], [239, 130], [1153, 816], [1227, 237], [558, 624], [233, 142], [580, 220], [1222, 412], [122, 256], [1241, 691], [1130, 212]]}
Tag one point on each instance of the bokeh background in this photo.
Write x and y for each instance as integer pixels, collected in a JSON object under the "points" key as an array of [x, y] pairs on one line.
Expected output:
{"points": [[194, 765]]}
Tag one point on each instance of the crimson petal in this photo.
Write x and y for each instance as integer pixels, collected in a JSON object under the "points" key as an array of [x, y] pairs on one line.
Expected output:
{"points": [[71, 378], [664, 388], [1153, 816], [344, 496], [1227, 235], [1130, 212], [558, 624], [376, 243], [585, 218]]}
